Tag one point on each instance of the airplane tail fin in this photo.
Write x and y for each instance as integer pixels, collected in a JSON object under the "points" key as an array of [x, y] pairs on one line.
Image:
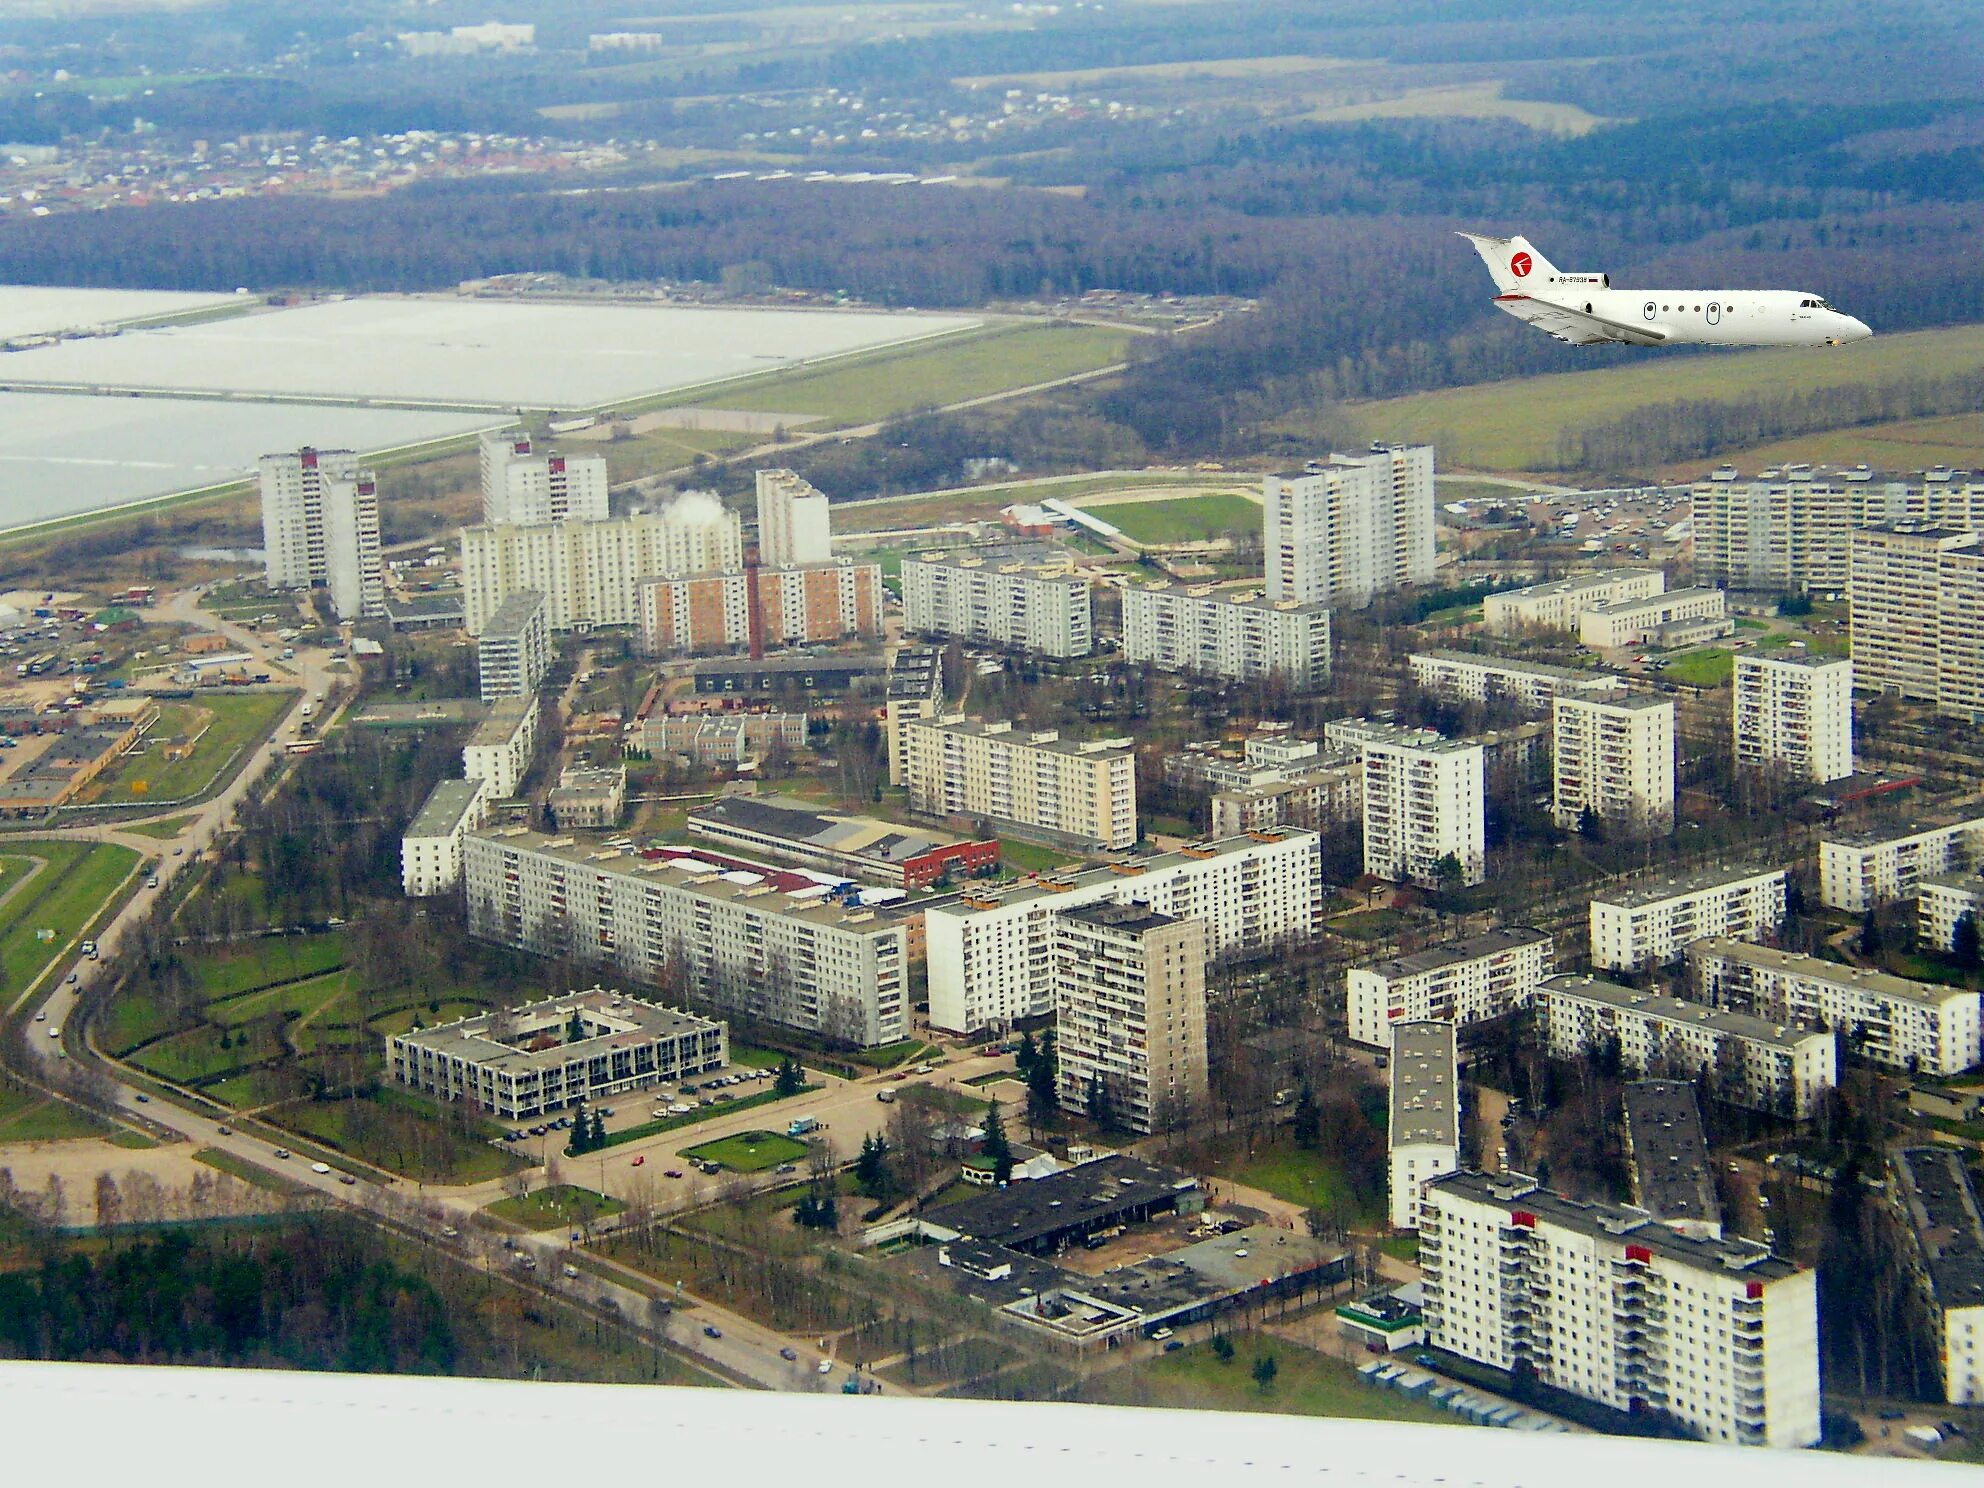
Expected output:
{"points": [[1513, 262]]}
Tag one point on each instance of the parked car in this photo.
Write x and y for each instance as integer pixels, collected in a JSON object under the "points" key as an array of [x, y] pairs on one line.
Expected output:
{"points": [[711, 1330], [671, 1172], [788, 1354]]}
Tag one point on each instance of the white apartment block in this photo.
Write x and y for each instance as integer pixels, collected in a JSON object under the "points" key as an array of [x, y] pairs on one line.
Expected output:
{"points": [[1470, 677], [1424, 800], [794, 523], [1941, 902], [1423, 1137], [1651, 922], [1676, 618], [524, 1062], [525, 486], [1916, 596], [589, 572], [1938, 1204], [1615, 760], [1130, 1013], [1082, 792], [431, 849], [1242, 637], [1769, 1066], [1604, 1302], [1556, 605], [1345, 529], [990, 950], [1793, 715], [758, 942], [320, 529], [1893, 1021], [500, 749], [514, 650], [1784, 532], [1861, 870], [1028, 597], [1469, 981]]}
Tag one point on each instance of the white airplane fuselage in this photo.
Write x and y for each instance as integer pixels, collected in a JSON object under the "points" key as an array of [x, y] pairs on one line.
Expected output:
{"points": [[1585, 309]]}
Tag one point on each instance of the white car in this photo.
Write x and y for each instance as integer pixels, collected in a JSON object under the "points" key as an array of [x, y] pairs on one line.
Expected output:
{"points": [[56, 1031], [320, 1167]]}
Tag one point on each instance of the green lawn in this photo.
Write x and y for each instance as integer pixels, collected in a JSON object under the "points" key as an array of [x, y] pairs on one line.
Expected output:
{"points": [[1185, 519], [238, 720], [949, 372], [1710, 667], [165, 830], [556, 1207], [313, 997], [1297, 1177], [197, 1054], [1031, 857], [1306, 1383], [218, 975], [749, 1152], [403, 1134], [63, 897], [1368, 924], [402, 1021], [26, 1115], [1516, 424]]}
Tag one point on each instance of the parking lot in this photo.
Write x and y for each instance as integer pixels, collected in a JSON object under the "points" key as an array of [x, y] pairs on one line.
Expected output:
{"points": [[656, 1103]]}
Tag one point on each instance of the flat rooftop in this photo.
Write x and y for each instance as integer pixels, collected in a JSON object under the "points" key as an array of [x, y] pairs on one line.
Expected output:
{"points": [[1653, 601], [795, 893], [511, 615], [1638, 702], [1513, 1191], [1132, 918], [1593, 679], [1399, 736], [1490, 943], [1425, 1081], [806, 825], [504, 718], [1049, 739], [538, 1031], [1833, 973], [979, 899], [1575, 584], [1942, 1210], [1023, 1213], [1037, 560], [718, 666], [1679, 1010], [1239, 599], [1900, 831], [1680, 885], [445, 806], [1809, 660], [1669, 1151]]}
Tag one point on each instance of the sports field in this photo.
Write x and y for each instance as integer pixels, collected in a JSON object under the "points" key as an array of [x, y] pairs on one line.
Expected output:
{"points": [[1517, 425], [1182, 520], [220, 727]]}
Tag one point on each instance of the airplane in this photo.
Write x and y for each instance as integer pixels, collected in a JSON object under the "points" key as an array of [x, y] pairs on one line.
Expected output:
{"points": [[1585, 310]]}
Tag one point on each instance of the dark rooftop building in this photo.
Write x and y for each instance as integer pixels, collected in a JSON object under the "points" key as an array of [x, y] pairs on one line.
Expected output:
{"points": [[1045, 1215], [1667, 1152], [813, 674]]}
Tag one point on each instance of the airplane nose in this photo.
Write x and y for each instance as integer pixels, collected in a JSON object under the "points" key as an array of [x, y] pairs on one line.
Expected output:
{"points": [[1857, 330]]}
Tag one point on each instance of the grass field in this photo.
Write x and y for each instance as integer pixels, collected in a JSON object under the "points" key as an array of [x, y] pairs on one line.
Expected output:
{"points": [[225, 726], [402, 1133], [555, 1207], [1466, 101], [27, 1115], [75, 881], [933, 508], [1955, 439], [1306, 1178], [1186, 519], [749, 1152], [1306, 1383], [165, 830], [1515, 425], [1710, 667], [1031, 857], [951, 372]]}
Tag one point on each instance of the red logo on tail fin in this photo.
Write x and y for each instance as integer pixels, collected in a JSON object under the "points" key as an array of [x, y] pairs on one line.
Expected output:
{"points": [[1520, 265]]}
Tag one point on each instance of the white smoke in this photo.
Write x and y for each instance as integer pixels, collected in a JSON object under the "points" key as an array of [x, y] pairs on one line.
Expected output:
{"points": [[695, 508]]}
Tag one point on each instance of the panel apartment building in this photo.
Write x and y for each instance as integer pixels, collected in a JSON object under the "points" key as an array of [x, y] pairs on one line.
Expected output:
{"points": [[1861, 870], [1768, 1066], [1557, 604], [1424, 800], [795, 527], [1903, 1024], [320, 529], [745, 939], [514, 650], [1604, 1302], [1350, 527], [1025, 596], [1938, 1205], [1130, 1013], [1467, 982], [431, 847], [1650, 922], [1474, 677], [589, 572], [1079, 792], [771, 608], [1423, 1136], [990, 950], [501, 748], [1916, 602], [1941, 903], [1242, 637], [524, 486], [1615, 760], [1792, 716]]}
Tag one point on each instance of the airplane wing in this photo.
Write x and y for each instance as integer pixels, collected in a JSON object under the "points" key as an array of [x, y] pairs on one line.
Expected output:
{"points": [[1578, 327]]}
